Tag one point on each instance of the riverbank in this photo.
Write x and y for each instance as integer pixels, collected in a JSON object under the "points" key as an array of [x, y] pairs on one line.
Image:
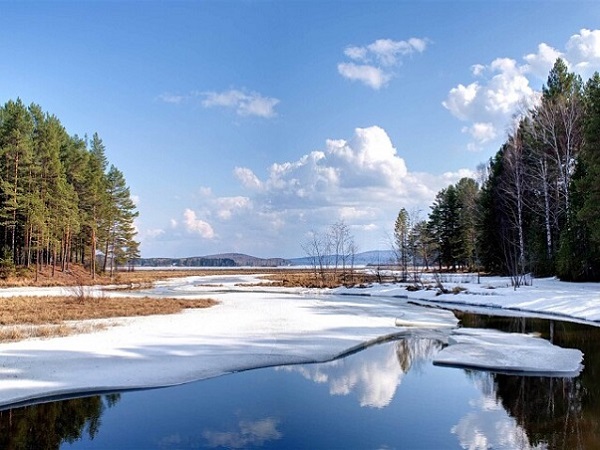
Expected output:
{"points": [[252, 325]]}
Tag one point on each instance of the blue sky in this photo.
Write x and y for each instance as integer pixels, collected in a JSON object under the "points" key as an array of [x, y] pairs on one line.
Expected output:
{"points": [[244, 125]]}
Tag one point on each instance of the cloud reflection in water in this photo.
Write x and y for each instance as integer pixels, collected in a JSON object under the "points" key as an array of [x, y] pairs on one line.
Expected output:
{"points": [[375, 375], [249, 433]]}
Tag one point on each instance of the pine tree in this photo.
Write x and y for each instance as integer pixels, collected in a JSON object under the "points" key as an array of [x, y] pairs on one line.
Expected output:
{"points": [[120, 245], [15, 159]]}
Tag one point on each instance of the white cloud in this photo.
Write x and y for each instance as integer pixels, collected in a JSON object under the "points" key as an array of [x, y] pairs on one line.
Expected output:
{"points": [[460, 100], [477, 69], [351, 213], [173, 98], [247, 178], [362, 180], [504, 88], [374, 64], [244, 103], [228, 206], [198, 226], [482, 132], [245, 434], [136, 199], [540, 63], [583, 52], [372, 76], [488, 104]]}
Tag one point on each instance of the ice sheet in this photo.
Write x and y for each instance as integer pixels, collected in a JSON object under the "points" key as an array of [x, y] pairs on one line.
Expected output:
{"points": [[508, 352]]}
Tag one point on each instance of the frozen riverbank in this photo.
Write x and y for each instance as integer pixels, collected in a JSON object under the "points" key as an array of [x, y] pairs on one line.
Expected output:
{"points": [[251, 327]]}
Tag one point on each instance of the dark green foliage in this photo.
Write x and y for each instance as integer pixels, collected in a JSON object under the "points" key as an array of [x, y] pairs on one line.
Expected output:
{"points": [[57, 203], [452, 222], [579, 254]]}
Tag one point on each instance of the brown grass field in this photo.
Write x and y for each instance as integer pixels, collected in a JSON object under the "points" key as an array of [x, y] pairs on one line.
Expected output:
{"points": [[26, 317]]}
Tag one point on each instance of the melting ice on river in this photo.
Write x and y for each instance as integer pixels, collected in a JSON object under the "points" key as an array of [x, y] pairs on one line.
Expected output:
{"points": [[498, 351]]}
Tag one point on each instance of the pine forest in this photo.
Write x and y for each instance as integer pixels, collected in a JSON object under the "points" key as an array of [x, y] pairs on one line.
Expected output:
{"points": [[60, 200]]}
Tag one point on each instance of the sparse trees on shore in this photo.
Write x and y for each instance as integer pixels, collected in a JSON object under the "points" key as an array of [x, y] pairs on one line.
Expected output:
{"points": [[331, 254]]}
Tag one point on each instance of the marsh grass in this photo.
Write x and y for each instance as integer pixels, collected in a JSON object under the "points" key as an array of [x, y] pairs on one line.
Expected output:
{"points": [[306, 278], [26, 317]]}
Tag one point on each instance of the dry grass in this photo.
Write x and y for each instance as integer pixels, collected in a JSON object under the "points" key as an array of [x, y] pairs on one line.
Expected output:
{"points": [[306, 278], [25, 317], [54, 310], [79, 276]]}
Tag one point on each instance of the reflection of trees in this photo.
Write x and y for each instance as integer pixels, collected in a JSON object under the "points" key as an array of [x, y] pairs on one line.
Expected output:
{"points": [[551, 410], [558, 412], [46, 426], [416, 352]]}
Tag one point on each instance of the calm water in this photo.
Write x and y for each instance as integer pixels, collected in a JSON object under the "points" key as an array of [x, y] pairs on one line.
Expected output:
{"points": [[385, 397]]}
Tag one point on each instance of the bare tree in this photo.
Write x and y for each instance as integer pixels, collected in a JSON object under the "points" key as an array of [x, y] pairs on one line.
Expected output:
{"points": [[343, 247], [333, 248], [558, 128], [315, 248]]}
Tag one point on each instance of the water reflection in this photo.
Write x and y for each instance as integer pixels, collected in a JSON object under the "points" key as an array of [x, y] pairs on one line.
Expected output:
{"points": [[387, 396], [375, 375], [48, 425], [247, 433], [488, 425], [554, 412]]}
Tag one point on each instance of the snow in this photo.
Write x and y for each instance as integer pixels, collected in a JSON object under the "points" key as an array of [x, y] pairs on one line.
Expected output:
{"points": [[547, 297], [256, 326], [508, 352]]}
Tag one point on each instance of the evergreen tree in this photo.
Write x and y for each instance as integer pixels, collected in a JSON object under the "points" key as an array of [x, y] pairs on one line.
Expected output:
{"points": [[120, 246], [579, 255], [15, 159], [57, 199]]}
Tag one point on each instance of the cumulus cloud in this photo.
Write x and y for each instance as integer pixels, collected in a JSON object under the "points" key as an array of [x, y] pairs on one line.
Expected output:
{"points": [[374, 64], [197, 226], [505, 87], [583, 52], [540, 63], [481, 131], [362, 180], [244, 103], [501, 90]]}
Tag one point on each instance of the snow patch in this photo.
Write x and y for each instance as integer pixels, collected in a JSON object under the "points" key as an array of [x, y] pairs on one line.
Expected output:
{"points": [[508, 352]]}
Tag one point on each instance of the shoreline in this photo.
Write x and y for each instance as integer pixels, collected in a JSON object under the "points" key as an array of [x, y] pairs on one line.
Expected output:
{"points": [[251, 327]]}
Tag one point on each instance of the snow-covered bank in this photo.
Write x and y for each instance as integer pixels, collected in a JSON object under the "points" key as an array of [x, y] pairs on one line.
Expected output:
{"points": [[251, 327], [546, 296]]}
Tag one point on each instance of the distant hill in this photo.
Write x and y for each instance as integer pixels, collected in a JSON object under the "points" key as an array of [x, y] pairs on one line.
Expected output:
{"points": [[241, 259], [220, 260], [372, 257]]}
